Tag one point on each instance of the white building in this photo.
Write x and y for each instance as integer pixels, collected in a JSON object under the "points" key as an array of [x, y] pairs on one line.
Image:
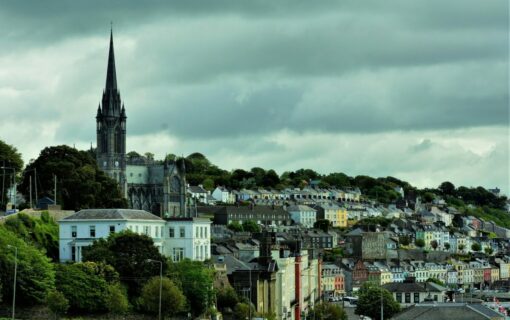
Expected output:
{"points": [[303, 215], [188, 238], [176, 238], [223, 195]]}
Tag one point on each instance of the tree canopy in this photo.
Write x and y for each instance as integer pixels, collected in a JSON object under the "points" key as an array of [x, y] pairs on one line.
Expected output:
{"points": [[80, 183], [130, 254], [172, 299], [196, 281], [35, 276], [11, 160], [369, 302]]}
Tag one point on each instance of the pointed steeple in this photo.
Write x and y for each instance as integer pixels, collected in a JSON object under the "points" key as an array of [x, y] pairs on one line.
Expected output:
{"points": [[111, 76]]}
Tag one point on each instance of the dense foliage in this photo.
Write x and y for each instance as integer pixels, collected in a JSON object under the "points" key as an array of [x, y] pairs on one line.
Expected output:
{"points": [[10, 158], [172, 299], [328, 311], [80, 183], [85, 285], [369, 302], [35, 276], [130, 254], [41, 232], [196, 282]]}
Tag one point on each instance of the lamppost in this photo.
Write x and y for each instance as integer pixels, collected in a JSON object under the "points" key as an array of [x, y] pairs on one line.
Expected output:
{"points": [[249, 305], [160, 283], [14, 285]]}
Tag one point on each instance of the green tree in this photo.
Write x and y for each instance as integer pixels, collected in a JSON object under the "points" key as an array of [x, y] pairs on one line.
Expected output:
{"points": [[436, 281], [9, 158], [57, 303], [476, 247], [369, 302], [337, 179], [434, 244], [129, 253], [488, 250], [226, 298], [196, 282], [80, 183], [251, 226], [235, 226], [419, 243], [172, 299], [447, 188], [461, 247], [328, 311], [447, 246], [323, 224], [41, 232], [116, 299], [404, 240], [242, 310], [270, 179], [428, 197], [35, 276], [208, 184], [85, 285]]}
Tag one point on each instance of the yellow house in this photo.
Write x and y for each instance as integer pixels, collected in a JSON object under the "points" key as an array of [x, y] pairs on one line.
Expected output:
{"points": [[494, 274], [341, 214]]}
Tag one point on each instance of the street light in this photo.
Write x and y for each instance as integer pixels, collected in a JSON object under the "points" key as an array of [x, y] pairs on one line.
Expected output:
{"points": [[14, 285], [160, 283]]}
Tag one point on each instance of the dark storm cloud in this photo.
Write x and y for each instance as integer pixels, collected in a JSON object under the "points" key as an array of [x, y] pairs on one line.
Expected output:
{"points": [[276, 80]]}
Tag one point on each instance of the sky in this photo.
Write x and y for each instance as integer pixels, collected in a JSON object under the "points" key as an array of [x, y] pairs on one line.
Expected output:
{"points": [[418, 90]]}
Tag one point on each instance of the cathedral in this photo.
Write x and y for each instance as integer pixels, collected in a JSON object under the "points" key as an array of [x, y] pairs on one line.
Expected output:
{"points": [[158, 187]]}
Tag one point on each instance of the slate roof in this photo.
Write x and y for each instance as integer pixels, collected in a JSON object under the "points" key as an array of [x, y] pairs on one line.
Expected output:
{"points": [[413, 287], [450, 311], [196, 189], [300, 208], [113, 214]]}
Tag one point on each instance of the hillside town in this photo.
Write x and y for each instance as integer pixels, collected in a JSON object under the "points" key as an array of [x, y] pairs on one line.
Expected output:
{"points": [[329, 192]]}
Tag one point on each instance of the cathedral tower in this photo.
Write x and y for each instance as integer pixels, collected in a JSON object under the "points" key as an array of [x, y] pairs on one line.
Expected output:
{"points": [[111, 127]]}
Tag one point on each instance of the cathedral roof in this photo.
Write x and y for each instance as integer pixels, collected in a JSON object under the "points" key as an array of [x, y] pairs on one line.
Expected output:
{"points": [[111, 76]]}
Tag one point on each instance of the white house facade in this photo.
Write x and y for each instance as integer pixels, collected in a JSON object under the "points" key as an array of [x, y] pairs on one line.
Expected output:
{"points": [[188, 238], [82, 228]]}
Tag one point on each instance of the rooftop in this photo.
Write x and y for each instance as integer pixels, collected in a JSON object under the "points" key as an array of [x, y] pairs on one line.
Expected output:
{"points": [[112, 214]]}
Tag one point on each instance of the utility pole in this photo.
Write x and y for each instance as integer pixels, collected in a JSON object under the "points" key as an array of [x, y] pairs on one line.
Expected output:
{"points": [[36, 195], [30, 190], [3, 182], [55, 188], [382, 306]]}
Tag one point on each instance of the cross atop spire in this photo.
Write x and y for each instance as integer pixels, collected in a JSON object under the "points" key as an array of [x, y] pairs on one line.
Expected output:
{"points": [[111, 76]]}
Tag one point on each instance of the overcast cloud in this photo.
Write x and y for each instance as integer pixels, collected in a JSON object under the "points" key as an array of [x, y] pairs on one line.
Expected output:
{"points": [[412, 89]]}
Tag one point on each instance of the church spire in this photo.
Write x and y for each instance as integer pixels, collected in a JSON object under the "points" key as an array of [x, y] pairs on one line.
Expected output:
{"points": [[111, 76]]}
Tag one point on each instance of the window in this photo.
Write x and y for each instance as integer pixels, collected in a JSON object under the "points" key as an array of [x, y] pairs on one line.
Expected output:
{"points": [[146, 230], [196, 252], [196, 232], [408, 297], [73, 231], [201, 232], [112, 229], [182, 232], [178, 254], [205, 232], [92, 231], [416, 297], [136, 229], [171, 232], [157, 232], [73, 253]]}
